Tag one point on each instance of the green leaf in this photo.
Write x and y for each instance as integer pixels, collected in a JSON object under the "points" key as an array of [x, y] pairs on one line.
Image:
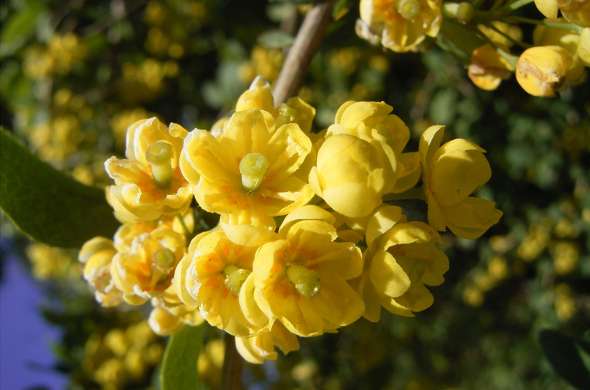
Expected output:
{"points": [[275, 39], [569, 357], [19, 28], [179, 366], [46, 204], [459, 39]]}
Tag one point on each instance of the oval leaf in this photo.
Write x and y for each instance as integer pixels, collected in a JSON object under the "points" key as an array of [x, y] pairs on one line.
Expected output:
{"points": [[179, 366], [568, 357], [46, 204]]}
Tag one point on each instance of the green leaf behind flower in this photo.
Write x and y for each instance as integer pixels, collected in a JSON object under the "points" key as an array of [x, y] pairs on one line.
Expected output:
{"points": [[46, 204], [569, 357], [179, 366]]}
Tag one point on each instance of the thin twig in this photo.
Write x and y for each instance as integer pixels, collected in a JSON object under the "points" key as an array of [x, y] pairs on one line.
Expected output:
{"points": [[231, 378], [306, 43]]}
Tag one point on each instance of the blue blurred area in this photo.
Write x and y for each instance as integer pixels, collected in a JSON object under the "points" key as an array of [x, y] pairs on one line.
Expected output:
{"points": [[26, 359]]}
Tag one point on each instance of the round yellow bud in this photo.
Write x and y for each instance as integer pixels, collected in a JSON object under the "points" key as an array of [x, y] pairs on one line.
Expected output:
{"points": [[542, 70]]}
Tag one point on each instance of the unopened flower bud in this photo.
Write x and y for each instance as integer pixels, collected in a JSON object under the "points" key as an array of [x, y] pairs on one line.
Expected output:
{"points": [[542, 70]]}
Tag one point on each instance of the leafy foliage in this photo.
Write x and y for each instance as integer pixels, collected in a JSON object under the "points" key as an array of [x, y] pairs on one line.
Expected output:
{"points": [[178, 370]]}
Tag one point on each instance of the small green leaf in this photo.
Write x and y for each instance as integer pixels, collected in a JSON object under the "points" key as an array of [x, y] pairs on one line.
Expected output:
{"points": [[179, 366], [19, 28], [458, 39], [275, 39], [569, 357], [46, 204]]}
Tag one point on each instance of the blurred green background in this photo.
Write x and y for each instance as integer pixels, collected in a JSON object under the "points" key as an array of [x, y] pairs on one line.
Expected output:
{"points": [[74, 74]]}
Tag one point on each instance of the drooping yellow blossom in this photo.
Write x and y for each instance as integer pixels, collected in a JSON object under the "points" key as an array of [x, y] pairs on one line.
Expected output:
{"points": [[97, 256], [403, 258], [210, 277], [543, 70], [399, 25], [253, 166], [146, 269], [261, 347], [361, 159], [487, 68], [148, 184], [451, 173], [302, 280]]}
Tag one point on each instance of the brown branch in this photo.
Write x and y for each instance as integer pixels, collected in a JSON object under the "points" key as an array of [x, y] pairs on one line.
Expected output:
{"points": [[306, 43], [231, 376]]}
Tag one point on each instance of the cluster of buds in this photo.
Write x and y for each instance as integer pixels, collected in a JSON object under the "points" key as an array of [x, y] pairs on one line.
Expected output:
{"points": [[310, 237], [555, 60]]}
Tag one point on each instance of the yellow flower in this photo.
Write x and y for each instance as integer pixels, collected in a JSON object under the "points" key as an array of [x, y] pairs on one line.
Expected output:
{"points": [[254, 166], [401, 263], [400, 25], [256, 349], [162, 322], [148, 184], [565, 257], [52, 263], [584, 46], [146, 269], [97, 255], [543, 70], [576, 11], [549, 8], [451, 173], [210, 277], [501, 34], [487, 68], [361, 159], [302, 280]]}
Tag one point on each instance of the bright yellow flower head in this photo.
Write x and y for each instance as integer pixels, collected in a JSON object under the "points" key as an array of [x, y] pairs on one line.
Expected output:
{"points": [[488, 68], [210, 277], [401, 263], [302, 280], [146, 269], [261, 347], [543, 70], [253, 166], [400, 25], [451, 173], [97, 255], [361, 159], [148, 184]]}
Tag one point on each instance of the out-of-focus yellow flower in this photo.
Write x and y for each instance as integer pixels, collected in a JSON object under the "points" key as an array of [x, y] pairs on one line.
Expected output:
{"points": [[399, 25], [148, 184], [264, 62], [253, 166], [497, 268], [361, 159], [564, 228], [62, 53], [565, 257], [575, 11], [501, 34], [146, 270], [51, 263], [302, 280], [401, 263], [212, 274], [57, 140], [565, 304], [487, 68], [261, 347], [97, 256], [584, 46], [473, 296], [534, 242], [543, 70], [451, 173], [210, 363]]}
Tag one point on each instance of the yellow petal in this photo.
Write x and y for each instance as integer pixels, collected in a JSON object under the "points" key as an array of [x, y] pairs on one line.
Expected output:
{"points": [[387, 276], [472, 217], [382, 220]]}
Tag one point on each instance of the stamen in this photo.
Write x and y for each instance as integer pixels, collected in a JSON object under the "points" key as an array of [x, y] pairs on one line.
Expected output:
{"points": [[408, 9], [253, 167], [235, 277], [305, 281]]}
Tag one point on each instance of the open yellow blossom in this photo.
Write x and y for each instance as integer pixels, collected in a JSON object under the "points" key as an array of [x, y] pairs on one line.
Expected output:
{"points": [[361, 159], [302, 280], [261, 347], [148, 184], [252, 167], [146, 269], [400, 25], [209, 278], [451, 173], [487, 68], [401, 263], [97, 255]]}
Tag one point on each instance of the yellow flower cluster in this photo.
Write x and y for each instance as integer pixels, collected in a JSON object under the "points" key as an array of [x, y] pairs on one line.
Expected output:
{"points": [[52, 263], [60, 55], [122, 357], [307, 241]]}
